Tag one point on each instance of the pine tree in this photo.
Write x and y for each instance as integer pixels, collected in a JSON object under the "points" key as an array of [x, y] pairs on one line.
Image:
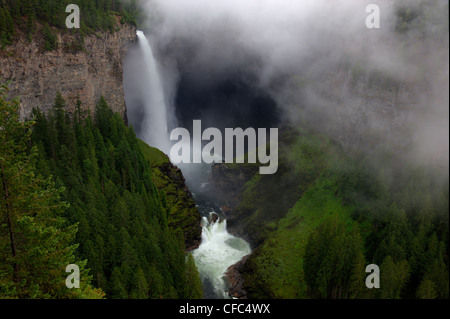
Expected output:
{"points": [[50, 38]]}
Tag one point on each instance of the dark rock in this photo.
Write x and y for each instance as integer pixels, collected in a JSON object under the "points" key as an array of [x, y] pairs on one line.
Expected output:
{"points": [[227, 185], [213, 218], [235, 280]]}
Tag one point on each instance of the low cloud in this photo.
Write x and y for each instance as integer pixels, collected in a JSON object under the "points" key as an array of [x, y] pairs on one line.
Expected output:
{"points": [[320, 63]]}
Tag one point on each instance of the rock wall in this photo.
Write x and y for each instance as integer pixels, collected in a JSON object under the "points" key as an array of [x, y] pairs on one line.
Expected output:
{"points": [[37, 75], [361, 110]]}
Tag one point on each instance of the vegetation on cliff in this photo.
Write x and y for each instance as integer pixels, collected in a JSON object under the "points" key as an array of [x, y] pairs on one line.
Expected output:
{"points": [[182, 211], [120, 217], [23, 15]]}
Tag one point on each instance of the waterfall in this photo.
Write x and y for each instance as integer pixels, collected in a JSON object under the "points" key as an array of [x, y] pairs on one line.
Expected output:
{"points": [[218, 250], [155, 131]]}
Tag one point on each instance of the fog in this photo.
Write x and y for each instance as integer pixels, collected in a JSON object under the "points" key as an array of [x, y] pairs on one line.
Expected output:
{"points": [[314, 62]]}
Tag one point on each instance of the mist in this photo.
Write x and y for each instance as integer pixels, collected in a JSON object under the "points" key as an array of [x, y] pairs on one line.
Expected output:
{"points": [[312, 62]]}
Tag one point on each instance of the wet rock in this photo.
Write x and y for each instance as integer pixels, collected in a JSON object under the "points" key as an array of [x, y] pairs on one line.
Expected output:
{"points": [[213, 218], [235, 281]]}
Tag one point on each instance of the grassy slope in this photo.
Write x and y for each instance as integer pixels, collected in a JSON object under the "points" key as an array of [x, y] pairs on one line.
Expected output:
{"points": [[153, 154], [277, 265]]}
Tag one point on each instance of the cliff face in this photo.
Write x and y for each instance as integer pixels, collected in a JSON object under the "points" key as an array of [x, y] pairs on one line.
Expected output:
{"points": [[37, 75], [372, 110], [362, 110]]}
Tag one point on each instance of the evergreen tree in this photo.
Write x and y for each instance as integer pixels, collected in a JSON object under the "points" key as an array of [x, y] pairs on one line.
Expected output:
{"points": [[393, 277], [333, 258], [49, 38], [427, 290], [124, 232], [194, 287], [97, 15]]}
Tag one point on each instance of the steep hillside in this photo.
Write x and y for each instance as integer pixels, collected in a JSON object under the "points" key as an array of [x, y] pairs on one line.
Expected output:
{"points": [[183, 213]]}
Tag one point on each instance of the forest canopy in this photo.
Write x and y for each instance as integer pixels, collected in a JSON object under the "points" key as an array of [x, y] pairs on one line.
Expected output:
{"points": [[96, 15], [85, 194]]}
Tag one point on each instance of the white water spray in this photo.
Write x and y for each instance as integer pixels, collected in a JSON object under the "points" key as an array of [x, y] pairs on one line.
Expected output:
{"points": [[155, 132], [218, 251]]}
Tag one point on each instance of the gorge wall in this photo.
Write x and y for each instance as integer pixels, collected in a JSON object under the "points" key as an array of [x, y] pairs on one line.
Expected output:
{"points": [[37, 75]]}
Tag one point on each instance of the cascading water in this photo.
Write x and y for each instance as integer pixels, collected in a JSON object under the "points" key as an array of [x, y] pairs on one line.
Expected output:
{"points": [[155, 131], [218, 249], [217, 252]]}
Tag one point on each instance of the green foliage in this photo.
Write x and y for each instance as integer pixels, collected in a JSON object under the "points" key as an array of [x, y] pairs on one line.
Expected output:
{"points": [[36, 242], [124, 232], [50, 38], [267, 198], [194, 284], [182, 212], [345, 215], [331, 255], [278, 264], [393, 278], [6, 27], [426, 290], [95, 16]]}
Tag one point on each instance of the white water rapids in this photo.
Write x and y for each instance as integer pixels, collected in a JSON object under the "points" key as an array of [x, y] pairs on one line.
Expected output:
{"points": [[218, 250]]}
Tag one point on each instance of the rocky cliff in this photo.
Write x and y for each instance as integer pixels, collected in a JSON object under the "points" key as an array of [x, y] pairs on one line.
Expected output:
{"points": [[370, 110], [37, 75], [367, 108]]}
